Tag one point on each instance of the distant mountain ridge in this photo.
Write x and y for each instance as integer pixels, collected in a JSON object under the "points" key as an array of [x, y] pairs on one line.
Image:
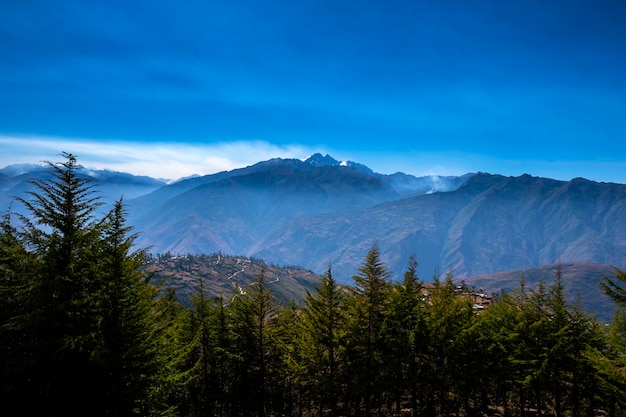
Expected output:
{"points": [[231, 212], [320, 211], [111, 185], [489, 224]]}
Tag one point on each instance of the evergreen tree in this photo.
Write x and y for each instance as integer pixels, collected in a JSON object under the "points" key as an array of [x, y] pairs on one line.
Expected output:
{"points": [[254, 312], [529, 353], [16, 350], [406, 333], [211, 340], [321, 343], [368, 308], [168, 394], [584, 390], [610, 363], [447, 317], [223, 357], [125, 301], [199, 337], [558, 359], [283, 395], [78, 311], [495, 329], [615, 287], [64, 234]]}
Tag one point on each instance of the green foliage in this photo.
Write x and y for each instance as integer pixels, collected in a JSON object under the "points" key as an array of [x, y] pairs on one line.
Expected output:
{"points": [[320, 363], [368, 303], [610, 363], [407, 331], [77, 313], [255, 312], [16, 277]]}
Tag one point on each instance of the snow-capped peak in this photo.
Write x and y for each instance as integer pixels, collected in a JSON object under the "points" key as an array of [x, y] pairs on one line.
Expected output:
{"points": [[319, 159]]}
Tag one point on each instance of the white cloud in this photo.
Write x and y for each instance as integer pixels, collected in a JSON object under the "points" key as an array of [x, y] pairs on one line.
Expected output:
{"points": [[176, 160], [160, 160]]}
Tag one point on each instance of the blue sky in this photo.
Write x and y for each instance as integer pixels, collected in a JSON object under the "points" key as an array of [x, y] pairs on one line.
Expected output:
{"points": [[168, 89]]}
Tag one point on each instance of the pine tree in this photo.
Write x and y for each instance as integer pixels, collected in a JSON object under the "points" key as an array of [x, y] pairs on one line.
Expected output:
{"points": [[448, 315], [223, 355], [167, 391], [254, 312], [16, 277], [321, 343], [64, 233], [283, 388], [610, 363], [406, 330], [125, 301], [199, 336], [368, 307], [558, 357], [528, 354], [495, 329], [86, 317], [586, 335], [210, 340]]}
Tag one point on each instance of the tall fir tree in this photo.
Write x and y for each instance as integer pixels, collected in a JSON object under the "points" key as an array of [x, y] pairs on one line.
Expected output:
{"points": [[16, 349], [64, 233], [84, 327], [254, 316], [125, 300], [610, 363], [210, 340], [167, 393], [321, 343], [366, 346], [495, 329], [198, 334], [448, 315], [406, 330]]}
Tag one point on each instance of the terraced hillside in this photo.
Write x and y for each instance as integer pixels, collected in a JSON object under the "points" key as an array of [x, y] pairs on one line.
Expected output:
{"points": [[228, 275]]}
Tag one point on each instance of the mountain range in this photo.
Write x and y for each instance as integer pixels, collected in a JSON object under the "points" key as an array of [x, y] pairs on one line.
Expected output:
{"points": [[489, 224], [319, 212], [111, 186], [241, 211]]}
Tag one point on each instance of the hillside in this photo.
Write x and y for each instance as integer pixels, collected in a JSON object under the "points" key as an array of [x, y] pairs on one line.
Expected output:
{"points": [[490, 224], [232, 212], [223, 276], [581, 282]]}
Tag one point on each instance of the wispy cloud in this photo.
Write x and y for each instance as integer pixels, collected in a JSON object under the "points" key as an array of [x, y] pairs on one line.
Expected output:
{"points": [[159, 160], [172, 160]]}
